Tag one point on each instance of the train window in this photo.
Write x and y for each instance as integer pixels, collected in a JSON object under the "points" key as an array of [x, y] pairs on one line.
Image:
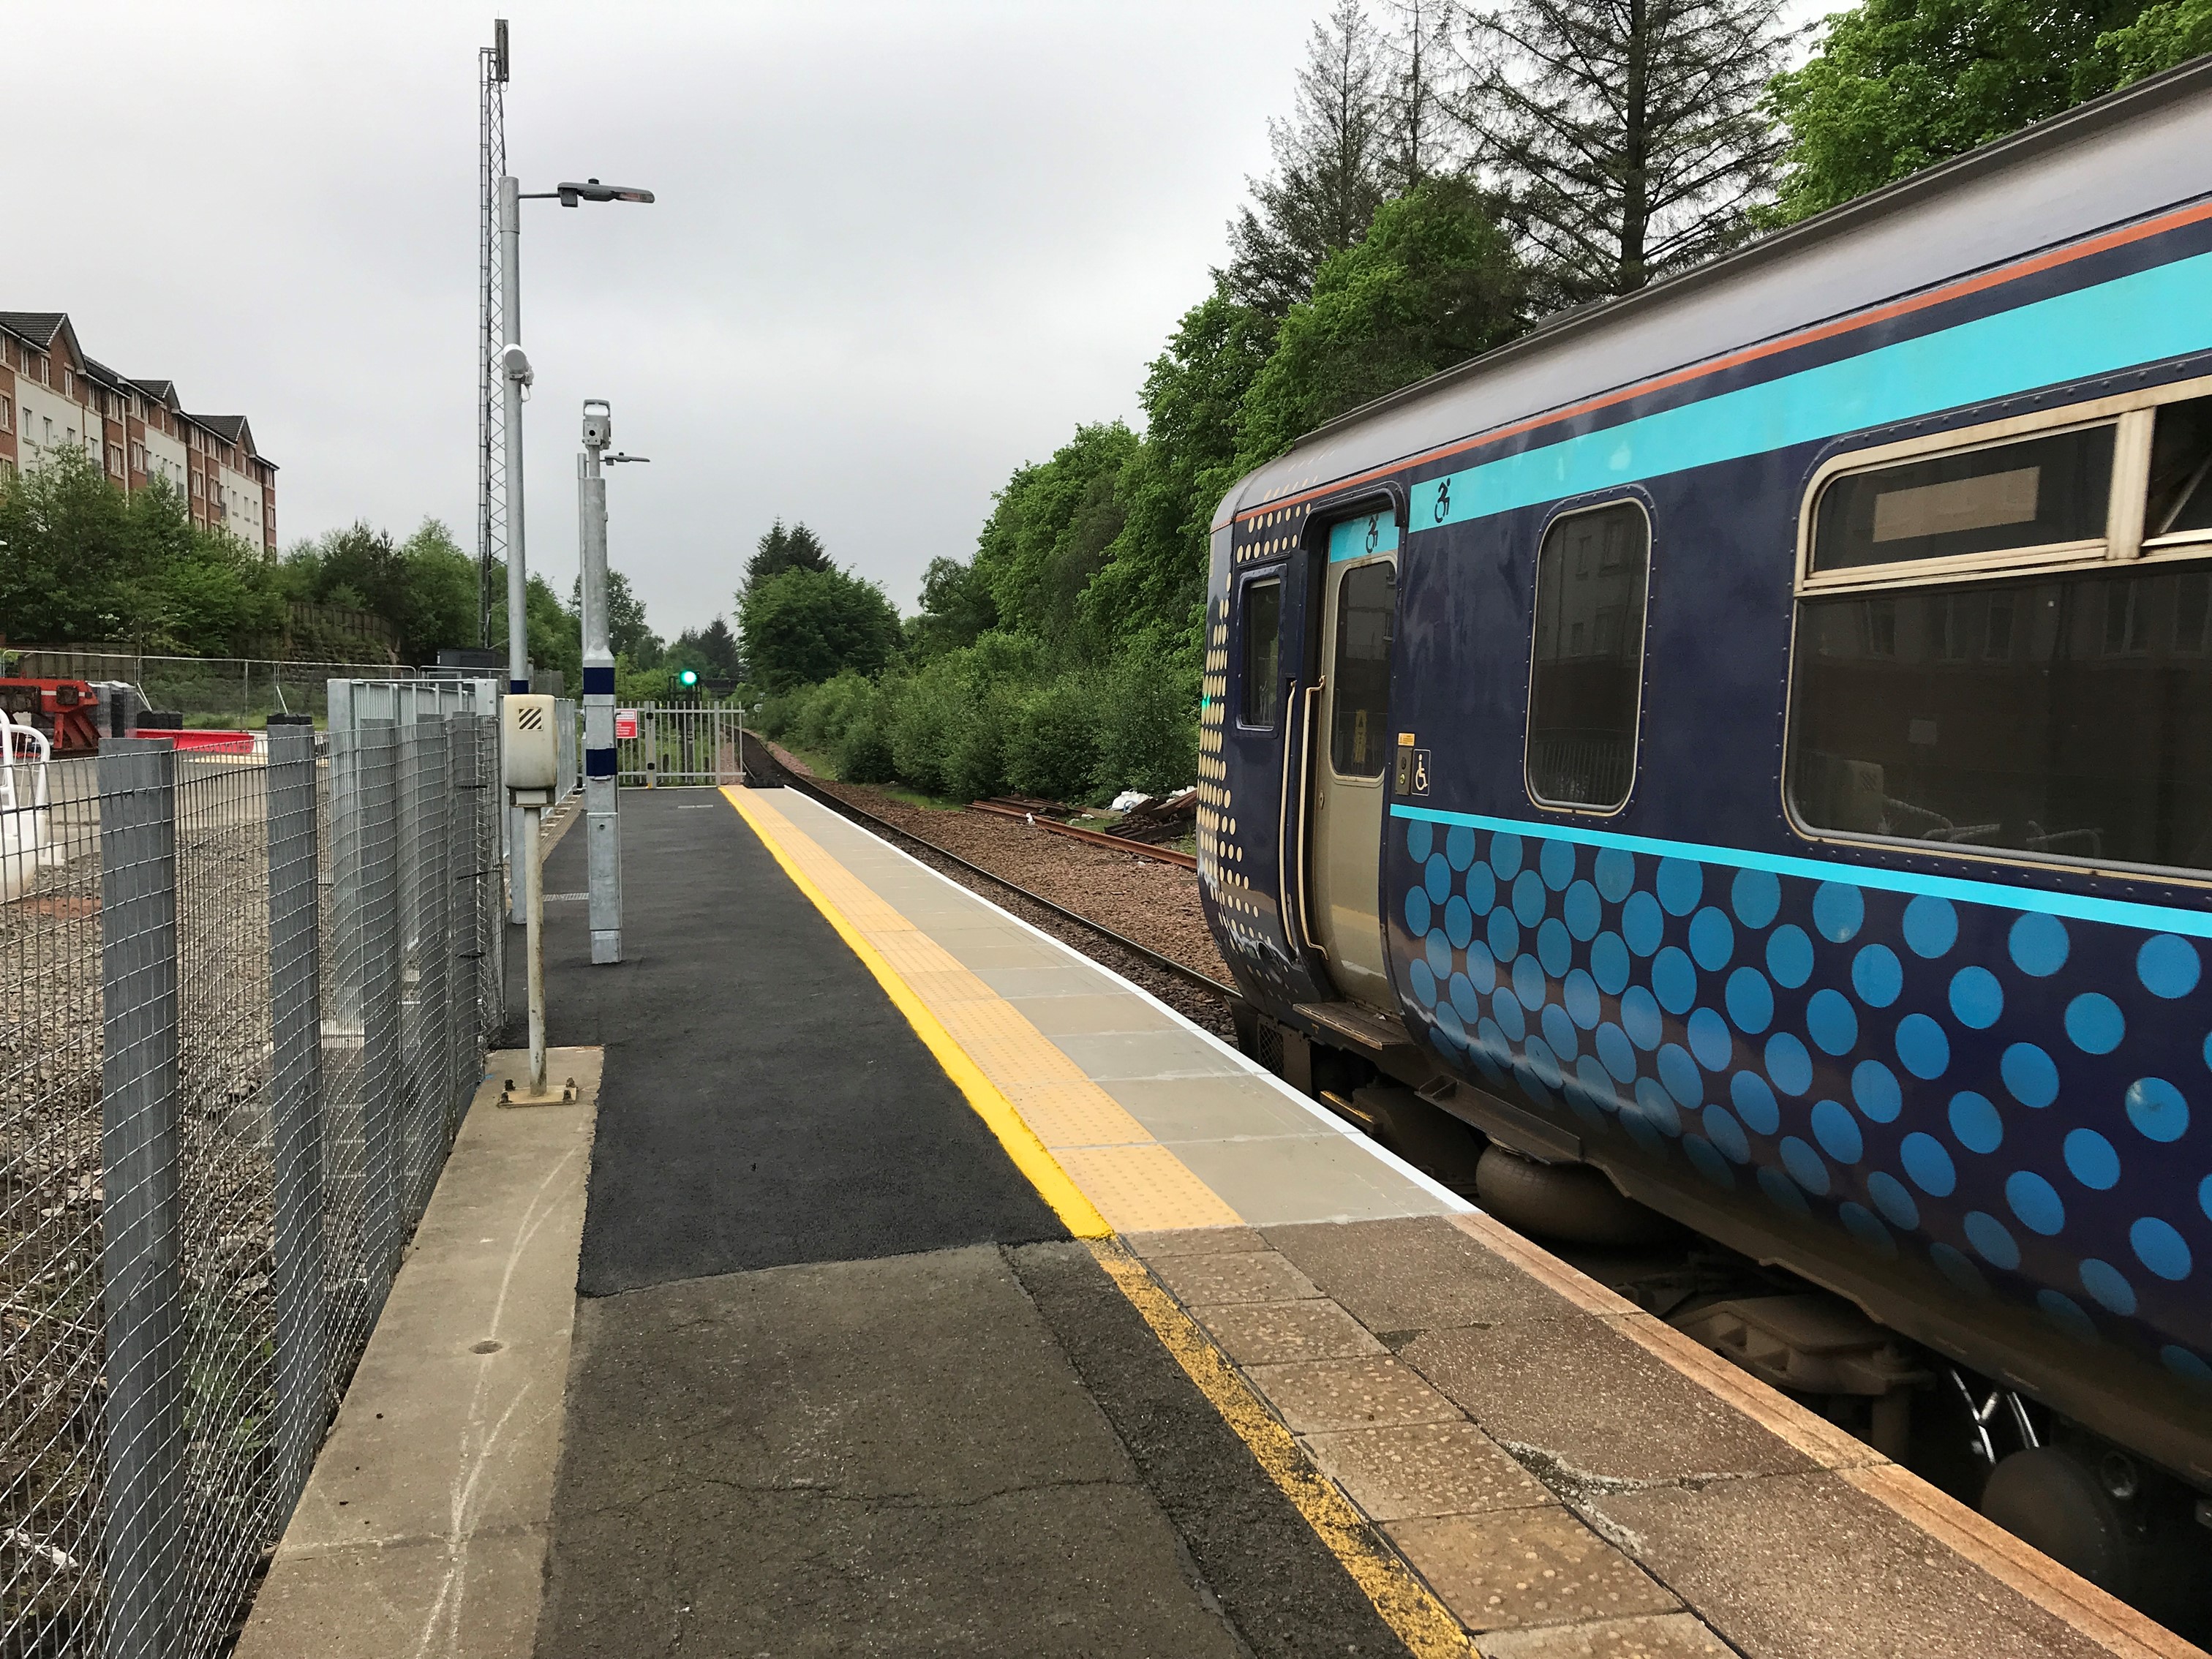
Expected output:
{"points": [[2180, 504], [1587, 673], [1263, 652], [1366, 606], [2067, 715], [2040, 492]]}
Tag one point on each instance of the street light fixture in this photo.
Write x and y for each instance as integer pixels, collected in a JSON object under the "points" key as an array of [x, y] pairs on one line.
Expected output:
{"points": [[593, 191]]}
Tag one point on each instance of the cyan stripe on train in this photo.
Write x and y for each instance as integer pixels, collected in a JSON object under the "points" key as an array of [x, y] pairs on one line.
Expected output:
{"points": [[2074, 907], [2165, 312]]}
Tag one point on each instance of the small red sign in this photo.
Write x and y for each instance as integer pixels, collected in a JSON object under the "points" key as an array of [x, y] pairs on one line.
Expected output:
{"points": [[625, 723]]}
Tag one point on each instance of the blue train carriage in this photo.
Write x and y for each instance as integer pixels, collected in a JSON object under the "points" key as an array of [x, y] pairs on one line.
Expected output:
{"points": [[1755, 737]]}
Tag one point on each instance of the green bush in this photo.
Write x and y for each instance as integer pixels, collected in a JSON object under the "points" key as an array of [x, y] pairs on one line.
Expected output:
{"points": [[1052, 741], [1148, 736], [864, 754]]}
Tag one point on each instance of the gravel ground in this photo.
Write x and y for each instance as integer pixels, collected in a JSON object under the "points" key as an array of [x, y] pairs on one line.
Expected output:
{"points": [[1154, 903]]}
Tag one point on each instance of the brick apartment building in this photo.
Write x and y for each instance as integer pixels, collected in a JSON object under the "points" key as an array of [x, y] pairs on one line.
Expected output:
{"points": [[53, 397]]}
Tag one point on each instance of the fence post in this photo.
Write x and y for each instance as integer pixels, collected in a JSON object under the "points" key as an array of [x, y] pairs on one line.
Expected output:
{"points": [[295, 1071], [142, 1287], [383, 1141]]}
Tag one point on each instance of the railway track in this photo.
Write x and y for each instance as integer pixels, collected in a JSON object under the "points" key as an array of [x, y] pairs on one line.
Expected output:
{"points": [[758, 757]]}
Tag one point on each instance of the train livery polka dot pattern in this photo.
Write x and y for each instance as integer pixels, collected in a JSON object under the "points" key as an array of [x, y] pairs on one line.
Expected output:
{"points": [[2023, 1104]]}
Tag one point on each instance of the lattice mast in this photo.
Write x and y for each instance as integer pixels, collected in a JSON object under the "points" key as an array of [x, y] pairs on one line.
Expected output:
{"points": [[491, 400]]}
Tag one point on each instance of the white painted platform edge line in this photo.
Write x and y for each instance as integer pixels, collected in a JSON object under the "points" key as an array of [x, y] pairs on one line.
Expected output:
{"points": [[1313, 1108]]}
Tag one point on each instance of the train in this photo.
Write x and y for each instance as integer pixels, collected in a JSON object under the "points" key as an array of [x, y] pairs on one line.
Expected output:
{"points": [[1752, 739]]}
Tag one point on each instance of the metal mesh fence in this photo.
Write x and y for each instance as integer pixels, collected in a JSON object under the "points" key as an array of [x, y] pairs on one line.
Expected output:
{"points": [[246, 1004]]}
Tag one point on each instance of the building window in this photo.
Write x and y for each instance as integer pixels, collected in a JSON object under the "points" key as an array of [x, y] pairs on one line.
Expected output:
{"points": [[7, 415], [1262, 623], [115, 460], [2053, 699], [196, 484], [1586, 672]]}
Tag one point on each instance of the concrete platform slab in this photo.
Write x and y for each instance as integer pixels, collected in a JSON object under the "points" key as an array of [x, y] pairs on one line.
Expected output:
{"points": [[1242, 1276], [1275, 1179], [1317, 1396], [1591, 1407], [1515, 1568], [1806, 1564], [1401, 1471], [1224, 1107], [1279, 1332], [1670, 1635], [1146, 1053], [1413, 1275]]}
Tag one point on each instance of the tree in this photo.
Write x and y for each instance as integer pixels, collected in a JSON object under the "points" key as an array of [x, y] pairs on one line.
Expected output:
{"points": [[1049, 532], [2162, 37], [956, 608], [1329, 174], [710, 652], [801, 625], [1419, 92], [627, 635], [1899, 85], [1629, 133], [1153, 584], [83, 561], [437, 607], [780, 549], [1435, 282]]}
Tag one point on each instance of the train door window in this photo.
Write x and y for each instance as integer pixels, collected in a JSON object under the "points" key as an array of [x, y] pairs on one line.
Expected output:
{"points": [[1366, 609], [1586, 675], [1262, 621], [2058, 706]]}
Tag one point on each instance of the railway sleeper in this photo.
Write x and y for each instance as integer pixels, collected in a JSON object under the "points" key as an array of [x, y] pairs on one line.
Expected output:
{"points": [[2126, 1525]]}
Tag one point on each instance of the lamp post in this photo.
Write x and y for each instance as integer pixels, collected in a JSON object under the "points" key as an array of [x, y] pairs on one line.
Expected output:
{"points": [[515, 372]]}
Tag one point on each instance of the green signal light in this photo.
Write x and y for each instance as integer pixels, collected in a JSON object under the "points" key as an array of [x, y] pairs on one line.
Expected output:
{"points": [[689, 677]]}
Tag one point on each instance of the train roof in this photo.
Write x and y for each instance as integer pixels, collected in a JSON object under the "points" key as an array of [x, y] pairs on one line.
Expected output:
{"points": [[2118, 158]]}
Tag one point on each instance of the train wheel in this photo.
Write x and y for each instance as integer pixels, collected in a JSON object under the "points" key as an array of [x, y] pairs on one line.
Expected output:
{"points": [[2050, 1497]]}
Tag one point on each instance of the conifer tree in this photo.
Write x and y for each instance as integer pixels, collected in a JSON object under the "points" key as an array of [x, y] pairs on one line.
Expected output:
{"points": [[781, 549], [1629, 133], [1330, 173]]}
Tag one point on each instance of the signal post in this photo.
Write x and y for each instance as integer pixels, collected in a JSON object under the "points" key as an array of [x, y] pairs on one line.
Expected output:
{"points": [[602, 824]]}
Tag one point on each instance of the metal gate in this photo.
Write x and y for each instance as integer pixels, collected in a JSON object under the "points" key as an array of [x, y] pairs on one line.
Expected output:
{"points": [[673, 746]]}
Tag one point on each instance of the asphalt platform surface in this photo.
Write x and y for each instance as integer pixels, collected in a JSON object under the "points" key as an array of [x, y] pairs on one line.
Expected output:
{"points": [[840, 1383]]}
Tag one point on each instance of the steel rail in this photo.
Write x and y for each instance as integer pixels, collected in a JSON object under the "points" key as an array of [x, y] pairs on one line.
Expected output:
{"points": [[1143, 953]]}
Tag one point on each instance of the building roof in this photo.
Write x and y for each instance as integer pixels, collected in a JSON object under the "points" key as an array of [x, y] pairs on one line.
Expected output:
{"points": [[233, 429], [38, 327]]}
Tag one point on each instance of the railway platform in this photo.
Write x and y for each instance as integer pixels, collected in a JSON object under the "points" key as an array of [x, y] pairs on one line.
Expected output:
{"points": [[939, 1291]]}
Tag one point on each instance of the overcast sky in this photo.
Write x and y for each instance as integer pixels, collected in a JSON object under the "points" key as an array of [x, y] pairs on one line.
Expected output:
{"points": [[898, 249]]}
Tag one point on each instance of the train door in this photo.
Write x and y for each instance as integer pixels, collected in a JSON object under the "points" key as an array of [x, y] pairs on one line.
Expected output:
{"points": [[1348, 753]]}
